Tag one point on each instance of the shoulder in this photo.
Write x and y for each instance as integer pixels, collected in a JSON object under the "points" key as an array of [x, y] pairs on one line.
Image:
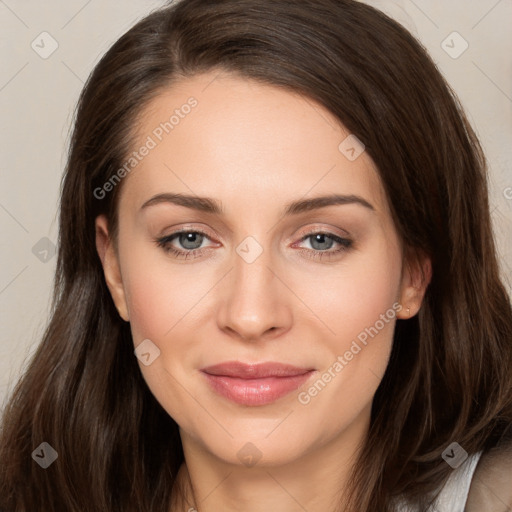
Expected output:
{"points": [[482, 483], [452, 495], [491, 485]]}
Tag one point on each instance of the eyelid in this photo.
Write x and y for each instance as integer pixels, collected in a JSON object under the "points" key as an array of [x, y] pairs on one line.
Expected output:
{"points": [[188, 228], [322, 256], [313, 229], [342, 240], [318, 228]]}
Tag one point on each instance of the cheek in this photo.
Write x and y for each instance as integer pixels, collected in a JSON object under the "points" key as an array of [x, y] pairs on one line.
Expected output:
{"points": [[159, 294], [357, 305], [351, 297], [151, 304], [161, 301]]}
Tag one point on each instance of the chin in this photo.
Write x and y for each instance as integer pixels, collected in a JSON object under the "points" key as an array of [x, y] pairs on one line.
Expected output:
{"points": [[254, 444]]}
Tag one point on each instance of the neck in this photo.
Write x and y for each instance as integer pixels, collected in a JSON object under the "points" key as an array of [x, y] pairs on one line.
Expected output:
{"points": [[316, 481]]}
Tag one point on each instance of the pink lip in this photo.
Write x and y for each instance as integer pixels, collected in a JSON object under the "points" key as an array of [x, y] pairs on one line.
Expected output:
{"points": [[255, 384]]}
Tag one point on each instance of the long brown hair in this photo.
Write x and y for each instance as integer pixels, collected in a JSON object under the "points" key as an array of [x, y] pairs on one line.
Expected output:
{"points": [[449, 375]]}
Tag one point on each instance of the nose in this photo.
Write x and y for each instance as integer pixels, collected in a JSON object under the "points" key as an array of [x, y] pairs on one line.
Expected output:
{"points": [[255, 302]]}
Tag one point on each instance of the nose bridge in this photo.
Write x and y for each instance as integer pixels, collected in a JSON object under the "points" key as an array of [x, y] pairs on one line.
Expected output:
{"points": [[254, 299], [252, 264]]}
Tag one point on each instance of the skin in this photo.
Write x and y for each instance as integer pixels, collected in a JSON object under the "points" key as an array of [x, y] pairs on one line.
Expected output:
{"points": [[255, 148]]}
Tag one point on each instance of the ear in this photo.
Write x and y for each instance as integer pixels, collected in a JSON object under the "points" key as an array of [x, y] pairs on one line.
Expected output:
{"points": [[111, 268], [416, 276]]}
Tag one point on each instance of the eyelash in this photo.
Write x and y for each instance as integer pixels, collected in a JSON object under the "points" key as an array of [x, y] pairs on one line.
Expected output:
{"points": [[165, 242]]}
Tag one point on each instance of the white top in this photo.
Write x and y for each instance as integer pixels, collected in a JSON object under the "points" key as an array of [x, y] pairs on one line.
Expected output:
{"points": [[454, 493]]}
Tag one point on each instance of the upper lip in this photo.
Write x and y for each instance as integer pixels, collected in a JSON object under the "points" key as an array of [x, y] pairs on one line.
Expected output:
{"points": [[241, 370]]}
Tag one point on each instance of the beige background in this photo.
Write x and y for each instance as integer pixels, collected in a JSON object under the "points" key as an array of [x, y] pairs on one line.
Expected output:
{"points": [[37, 97]]}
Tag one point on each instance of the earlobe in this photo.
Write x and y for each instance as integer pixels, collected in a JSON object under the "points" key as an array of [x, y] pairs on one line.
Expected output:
{"points": [[111, 268], [416, 277]]}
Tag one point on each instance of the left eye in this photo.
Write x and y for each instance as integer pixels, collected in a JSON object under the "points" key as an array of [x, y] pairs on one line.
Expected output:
{"points": [[319, 239], [319, 251]]}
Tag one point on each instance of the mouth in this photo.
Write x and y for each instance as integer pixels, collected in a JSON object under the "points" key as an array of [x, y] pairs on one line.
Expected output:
{"points": [[255, 384]]}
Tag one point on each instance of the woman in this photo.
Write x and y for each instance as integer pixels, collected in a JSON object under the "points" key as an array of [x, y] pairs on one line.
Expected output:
{"points": [[206, 351]]}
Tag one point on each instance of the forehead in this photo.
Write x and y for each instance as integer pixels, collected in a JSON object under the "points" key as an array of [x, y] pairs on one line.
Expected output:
{"points": [[246, 143]]}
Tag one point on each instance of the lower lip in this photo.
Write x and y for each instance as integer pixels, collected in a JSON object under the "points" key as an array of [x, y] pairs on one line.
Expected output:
{"points": [[255, 391]]}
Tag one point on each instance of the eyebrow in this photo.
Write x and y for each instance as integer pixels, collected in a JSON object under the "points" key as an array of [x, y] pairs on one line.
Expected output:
{"points": [[210, 205]]}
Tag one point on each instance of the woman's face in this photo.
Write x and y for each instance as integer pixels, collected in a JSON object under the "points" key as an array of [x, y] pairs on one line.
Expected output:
{"points": [[317, 285]]}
